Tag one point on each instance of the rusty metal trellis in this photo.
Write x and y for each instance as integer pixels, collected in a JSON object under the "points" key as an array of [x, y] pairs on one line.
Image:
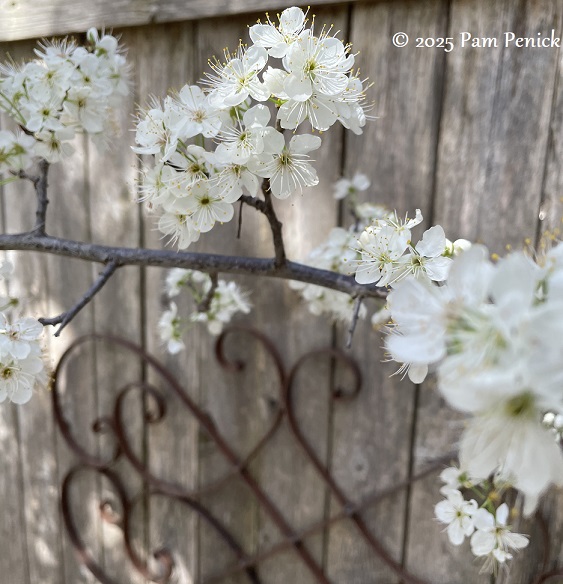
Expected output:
{"points": [[247, 564]]}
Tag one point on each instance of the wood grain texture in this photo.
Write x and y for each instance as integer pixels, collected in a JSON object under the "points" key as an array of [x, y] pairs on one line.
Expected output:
{"points": [[67, 282], [497, 107], [114, 217], [23, 19], [286, 474], [39, 511], [397, 151], [12, 522], [164, 59], [489, 180]]}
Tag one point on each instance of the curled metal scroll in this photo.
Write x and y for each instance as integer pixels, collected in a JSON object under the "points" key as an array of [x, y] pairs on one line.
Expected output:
{"points": [[153, 395]]}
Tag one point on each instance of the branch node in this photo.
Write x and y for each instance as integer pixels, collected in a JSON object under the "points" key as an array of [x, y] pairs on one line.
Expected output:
{"points": [[65, 317]]}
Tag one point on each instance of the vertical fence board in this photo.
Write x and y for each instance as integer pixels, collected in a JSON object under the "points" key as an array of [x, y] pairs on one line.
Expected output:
{"points": [[165, 59], [35, 429], [114, 220], [229, 399], [551, 218], [12, 524], [397, 150], [285, 472], [490, 169], [68, 280]]}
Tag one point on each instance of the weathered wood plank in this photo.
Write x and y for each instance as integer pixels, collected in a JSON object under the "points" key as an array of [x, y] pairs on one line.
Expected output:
{"points": [[550, 223], [492, 152], [371, 442], [164, 58], [22, 19], [67, 283], [494, 128], [286, 474], [14, 560], [114, 218], [233, 401], [39, 510]]}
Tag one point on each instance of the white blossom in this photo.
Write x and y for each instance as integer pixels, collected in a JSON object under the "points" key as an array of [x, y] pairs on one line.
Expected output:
{"points": [[278, 39], [493, 537], [232, 82], [287, 167], [457, 514]]}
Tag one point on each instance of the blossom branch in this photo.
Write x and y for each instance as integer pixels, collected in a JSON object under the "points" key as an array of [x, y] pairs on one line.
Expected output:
{"points": [[203, 262], [64, 318]]}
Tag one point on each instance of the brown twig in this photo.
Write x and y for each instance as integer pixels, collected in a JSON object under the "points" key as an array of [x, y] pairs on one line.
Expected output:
{"points": [[203, 262], [205, 304], [65, 317], [354, 321], [41, 186], [239, 227], [266, 207]]}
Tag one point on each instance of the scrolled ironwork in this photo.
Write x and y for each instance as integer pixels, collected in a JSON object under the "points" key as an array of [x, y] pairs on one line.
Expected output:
{"points": [[155, 412]]}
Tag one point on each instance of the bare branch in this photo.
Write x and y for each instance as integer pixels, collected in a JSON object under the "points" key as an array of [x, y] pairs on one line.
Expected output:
{"points": [[42, 200], [22, 174], [205, 304], [208, 263], [276, 227], [40, 185], [239, 227], [267, 208], [354, 321], [64, 318]]}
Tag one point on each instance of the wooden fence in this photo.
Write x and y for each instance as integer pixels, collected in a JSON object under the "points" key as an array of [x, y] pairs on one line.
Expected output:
{"points": [[473, 137]]}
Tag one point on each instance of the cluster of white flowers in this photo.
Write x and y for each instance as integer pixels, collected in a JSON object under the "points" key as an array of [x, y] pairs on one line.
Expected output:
{"points": [[21, 365], [490, 535], [493, 331], [494, 334], [193, 188], [227, 299], [388, 255], [337, 253], [68, 89]]}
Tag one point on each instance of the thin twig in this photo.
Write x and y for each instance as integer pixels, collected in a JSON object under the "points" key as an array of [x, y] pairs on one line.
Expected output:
{"points": [[24, 175], [239, 228], [42, 200], [203, 262], [205, 304], [354, 321], [275, 225], [64, 318], [266, 207]]}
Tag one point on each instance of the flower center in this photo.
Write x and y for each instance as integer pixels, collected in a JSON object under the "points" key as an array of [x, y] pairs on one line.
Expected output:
{"points": [[520, 406], [6, 373]]}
